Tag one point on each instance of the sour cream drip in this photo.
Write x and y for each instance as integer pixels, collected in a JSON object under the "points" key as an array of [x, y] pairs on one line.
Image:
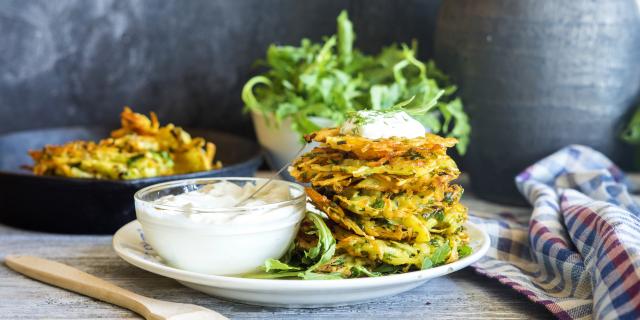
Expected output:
{"points": [[379, 125]]}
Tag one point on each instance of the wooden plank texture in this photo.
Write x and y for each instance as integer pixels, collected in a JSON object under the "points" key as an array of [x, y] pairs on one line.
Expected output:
{"points": [[463, 294]]}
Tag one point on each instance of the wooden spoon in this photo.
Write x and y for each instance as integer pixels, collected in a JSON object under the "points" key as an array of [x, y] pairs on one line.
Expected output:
{"points": [[72, 279]]}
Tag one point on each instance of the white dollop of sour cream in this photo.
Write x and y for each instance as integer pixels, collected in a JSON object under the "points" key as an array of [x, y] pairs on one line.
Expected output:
{"points": [[194, 205], [379, 125]]}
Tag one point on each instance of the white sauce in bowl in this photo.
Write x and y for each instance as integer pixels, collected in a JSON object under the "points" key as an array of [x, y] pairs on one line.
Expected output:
{"points": [[194, 224], [379, 125], [200, 205]]}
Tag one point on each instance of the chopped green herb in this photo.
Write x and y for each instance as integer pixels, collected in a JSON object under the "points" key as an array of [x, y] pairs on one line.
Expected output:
{"points": [[413, 155], [448, 197], [378, 203], [134, 159], [439, 215]]}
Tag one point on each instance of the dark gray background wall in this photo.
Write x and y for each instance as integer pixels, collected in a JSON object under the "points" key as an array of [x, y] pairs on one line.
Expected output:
{"points": [[72, 62]]}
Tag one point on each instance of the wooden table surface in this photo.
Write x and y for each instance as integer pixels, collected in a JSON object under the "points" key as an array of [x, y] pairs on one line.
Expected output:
{"points": [[463, 294]]}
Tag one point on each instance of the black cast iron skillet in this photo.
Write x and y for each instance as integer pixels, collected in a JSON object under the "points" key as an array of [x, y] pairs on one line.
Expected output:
{"points": [[90, 206]]}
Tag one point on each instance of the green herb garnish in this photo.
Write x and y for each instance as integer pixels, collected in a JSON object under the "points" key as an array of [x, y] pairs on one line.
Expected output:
{"points": [[448, 197], [378, 203], [439, 215], [413, 155]]}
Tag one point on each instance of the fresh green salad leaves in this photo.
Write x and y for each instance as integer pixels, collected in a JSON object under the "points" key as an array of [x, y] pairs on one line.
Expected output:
{"points": [[437, 257], [306, 264], [312, 263], [332, 79]]}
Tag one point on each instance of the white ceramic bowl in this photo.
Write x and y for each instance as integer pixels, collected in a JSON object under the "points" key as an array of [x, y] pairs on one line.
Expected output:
{"points": [[219, 249], [280, 141]]}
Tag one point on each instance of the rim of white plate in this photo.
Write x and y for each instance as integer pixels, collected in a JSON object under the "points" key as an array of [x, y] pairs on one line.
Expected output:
{"points": [[123, 250]]}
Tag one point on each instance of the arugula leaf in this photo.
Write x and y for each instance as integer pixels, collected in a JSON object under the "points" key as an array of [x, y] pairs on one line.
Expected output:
{"points": [[440, 254], [464, 251], [320, 276], [264, 275], [387, 269], [313, 258], [461, 128], [326, 241], [427, 263], [332, 79], [358, 271], [346, 37], [277, 265]]}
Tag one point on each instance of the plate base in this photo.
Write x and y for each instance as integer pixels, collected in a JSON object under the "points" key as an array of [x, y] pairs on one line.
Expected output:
{"points": [[129, 244], [302, 299]]}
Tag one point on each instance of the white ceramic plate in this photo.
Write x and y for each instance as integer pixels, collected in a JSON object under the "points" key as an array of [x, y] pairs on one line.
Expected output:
{"points": [[129, 243]]}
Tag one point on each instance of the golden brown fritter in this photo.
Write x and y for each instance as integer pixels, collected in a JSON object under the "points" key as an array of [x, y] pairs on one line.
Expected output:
{"points": [[368, 149], [140, 149], [390, 202]]}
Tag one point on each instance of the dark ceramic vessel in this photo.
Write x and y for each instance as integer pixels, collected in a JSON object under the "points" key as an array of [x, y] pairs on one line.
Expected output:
{"points": [[88, 206], [537, 75]]}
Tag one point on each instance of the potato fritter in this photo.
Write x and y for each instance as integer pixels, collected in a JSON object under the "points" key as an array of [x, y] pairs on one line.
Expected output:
{"points": [[382, 148], [140, 149]]}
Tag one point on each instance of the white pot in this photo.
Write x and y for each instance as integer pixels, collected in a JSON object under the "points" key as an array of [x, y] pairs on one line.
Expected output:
{"points": [[279, 141]]}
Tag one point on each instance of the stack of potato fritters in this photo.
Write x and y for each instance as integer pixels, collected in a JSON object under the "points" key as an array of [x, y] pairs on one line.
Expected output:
{"points": [[390, 201]]}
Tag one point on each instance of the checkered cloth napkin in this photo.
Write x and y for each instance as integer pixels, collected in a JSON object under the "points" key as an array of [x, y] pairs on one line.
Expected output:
{"points": [[578, 254]]}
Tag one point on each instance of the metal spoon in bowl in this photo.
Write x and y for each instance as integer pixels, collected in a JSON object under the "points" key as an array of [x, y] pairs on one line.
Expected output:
{"points": [[275, 176]]}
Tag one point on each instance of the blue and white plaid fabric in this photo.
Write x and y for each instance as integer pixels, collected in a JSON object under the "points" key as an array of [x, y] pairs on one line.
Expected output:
{"points": [[578, 254]]}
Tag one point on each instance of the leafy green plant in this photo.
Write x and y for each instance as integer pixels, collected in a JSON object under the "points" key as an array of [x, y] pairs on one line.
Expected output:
{"points": [[332, 79], [631, 134]]}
